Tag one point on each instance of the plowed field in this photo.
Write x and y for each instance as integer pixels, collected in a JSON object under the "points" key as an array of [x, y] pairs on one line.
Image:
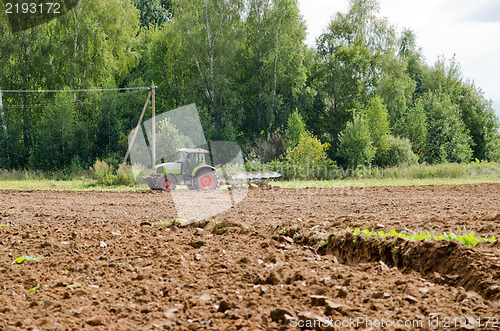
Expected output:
{"points": [[108, 260]]}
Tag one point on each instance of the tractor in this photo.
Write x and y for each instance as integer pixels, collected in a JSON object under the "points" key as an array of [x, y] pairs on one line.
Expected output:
{"points": [[189, 168]]}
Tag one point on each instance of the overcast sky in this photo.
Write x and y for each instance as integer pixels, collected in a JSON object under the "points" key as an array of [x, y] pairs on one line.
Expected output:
{"points": [[470, 30]]}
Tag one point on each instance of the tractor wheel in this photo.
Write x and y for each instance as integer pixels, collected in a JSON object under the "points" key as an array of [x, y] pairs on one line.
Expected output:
{"points": [[167, 183], [206, 181]]}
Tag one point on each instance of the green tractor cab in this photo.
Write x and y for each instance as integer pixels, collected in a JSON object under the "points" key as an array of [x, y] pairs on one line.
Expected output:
{"points": [[189, 168]]}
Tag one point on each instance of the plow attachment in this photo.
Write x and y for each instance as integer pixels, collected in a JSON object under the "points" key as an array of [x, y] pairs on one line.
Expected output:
{"points": [[259, 178]]}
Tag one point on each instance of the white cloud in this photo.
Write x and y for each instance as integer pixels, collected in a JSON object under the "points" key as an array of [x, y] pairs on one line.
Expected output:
{"points": [[318, 13], [485, 11]]}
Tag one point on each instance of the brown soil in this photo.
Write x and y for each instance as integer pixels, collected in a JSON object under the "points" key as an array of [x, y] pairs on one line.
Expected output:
{"points": [[103, 261]]}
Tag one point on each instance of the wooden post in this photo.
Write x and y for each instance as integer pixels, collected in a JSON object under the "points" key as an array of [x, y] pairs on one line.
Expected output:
{"points": [[137, 128], [153, 147]]}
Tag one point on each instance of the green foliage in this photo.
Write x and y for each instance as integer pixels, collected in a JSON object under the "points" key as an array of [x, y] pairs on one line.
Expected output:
{"points": [[295, 128], [468, 239], [220, 225], [168, 139], [154, 12], [475, 170], [479, 117], [107, 176], [492, 148], [377, 118], [89, 48], [124, 175], [33, 289], [396, 87], [399, 153], [103, 173], [55, 137], [22, 259], [245, 64], [75, 285], [351, 51], [309, 158], [355, 144], [413, 126], [268, 148], [202, 41], [270, 64], [448, 139]]}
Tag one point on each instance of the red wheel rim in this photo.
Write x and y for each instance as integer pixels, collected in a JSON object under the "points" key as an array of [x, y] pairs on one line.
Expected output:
{"points": [[167, 184], [207, 182]]}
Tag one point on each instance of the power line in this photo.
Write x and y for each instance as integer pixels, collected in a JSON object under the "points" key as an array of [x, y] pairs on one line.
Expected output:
{"points": [[78, 102], [84, 90]]}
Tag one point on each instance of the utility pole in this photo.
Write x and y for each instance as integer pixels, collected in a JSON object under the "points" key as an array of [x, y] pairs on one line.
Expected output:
{"points": [[137, 128], [153, 147], [151, 96]]}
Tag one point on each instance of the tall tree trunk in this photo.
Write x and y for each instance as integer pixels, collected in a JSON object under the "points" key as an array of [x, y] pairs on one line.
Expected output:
{"points": [[211, 46], [275, 81], [26, 110], [4, 122], [4, 127]]}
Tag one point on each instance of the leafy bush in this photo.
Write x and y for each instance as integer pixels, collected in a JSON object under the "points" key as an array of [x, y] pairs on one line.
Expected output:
{"points": [[124, 175], [309, 158], [113, 160], [103, 173], [355, 144], [75, 165], [493, 148], [252, 162], [399, 152], [107, 176]]}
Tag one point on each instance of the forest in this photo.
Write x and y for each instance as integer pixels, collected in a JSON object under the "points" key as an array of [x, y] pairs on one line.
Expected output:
{"points": [[363, 96]]}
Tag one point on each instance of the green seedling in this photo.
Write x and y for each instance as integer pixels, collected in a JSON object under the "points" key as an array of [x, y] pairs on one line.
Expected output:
{"points": [[222, 225], [76, 285], [22, 259], [33, 289], [181, 222], [468, 239], [162, 223]]}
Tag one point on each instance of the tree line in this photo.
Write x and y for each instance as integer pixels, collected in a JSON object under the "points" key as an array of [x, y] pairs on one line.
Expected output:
{"points": [[364, 94]]}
